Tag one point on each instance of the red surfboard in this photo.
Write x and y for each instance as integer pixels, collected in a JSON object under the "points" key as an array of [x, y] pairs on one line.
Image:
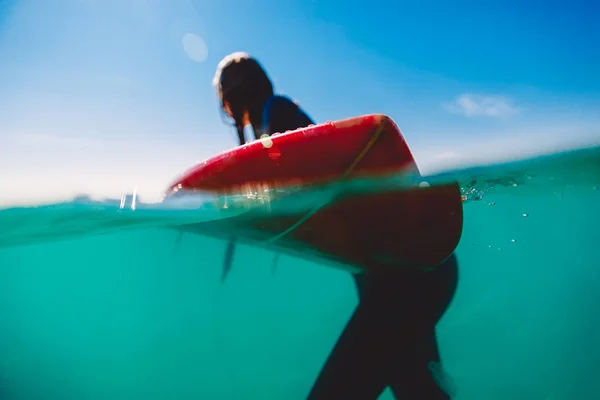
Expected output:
{"points": [[403, 228]]}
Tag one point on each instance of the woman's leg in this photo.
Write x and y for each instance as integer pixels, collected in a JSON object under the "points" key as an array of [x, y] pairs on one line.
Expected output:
{"points": [[355, 367], [416, 371], [390, 339], [417, 374]]}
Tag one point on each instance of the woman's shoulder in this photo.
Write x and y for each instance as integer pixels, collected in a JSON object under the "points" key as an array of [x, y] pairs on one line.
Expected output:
{"points": [[282, 114], [279, 107], [279, 100], [285, 105]]}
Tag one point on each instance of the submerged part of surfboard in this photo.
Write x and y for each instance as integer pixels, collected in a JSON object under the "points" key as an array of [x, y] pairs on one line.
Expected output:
{"points": [[416, 227]]}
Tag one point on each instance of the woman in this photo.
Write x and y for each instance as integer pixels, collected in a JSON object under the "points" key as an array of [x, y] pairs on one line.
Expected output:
{"points": [[390, 339], [246, 95]]}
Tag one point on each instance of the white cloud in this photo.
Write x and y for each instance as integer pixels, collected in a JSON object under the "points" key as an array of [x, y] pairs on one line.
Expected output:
{"points": [[472, 105]]}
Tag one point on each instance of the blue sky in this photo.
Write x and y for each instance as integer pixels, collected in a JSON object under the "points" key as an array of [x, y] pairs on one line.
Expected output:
{"points": [[99, 96]]}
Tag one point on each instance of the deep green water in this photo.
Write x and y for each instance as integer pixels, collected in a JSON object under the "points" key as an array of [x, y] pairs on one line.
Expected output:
{"points": [[98, 302]]}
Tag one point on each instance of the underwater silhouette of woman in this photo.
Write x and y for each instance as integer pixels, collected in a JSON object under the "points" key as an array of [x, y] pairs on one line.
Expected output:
{"points": [[390, 340]]}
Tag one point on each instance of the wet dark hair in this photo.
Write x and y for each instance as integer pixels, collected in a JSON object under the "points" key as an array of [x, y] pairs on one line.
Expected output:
{"points": [[243, 85]]}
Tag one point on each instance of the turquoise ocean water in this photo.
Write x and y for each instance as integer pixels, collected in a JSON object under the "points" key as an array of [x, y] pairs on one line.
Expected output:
{"points": [[99, 301]]}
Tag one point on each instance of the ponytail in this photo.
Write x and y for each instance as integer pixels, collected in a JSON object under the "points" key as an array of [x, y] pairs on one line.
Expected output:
{"points": [[240, 131]]}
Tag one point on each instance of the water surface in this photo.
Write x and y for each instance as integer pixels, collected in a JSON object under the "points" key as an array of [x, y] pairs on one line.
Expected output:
{"points": [[99, 300]]}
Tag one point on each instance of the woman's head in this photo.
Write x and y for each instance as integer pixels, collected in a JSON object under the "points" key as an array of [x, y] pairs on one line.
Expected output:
{"points": [[243, 88]]}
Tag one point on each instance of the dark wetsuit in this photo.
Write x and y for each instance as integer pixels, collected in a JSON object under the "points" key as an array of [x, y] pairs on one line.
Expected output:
{"points": [[390, 339], [281, 114]]}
